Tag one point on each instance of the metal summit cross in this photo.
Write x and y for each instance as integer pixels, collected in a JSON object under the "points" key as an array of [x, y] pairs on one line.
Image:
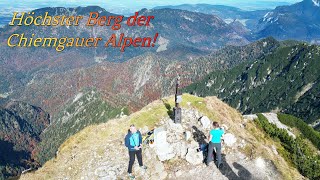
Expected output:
{"points": [[178, 99]]}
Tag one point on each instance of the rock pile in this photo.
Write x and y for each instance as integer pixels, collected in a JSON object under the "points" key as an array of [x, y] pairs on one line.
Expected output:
{"points": [[181, 143], [185, 140]]}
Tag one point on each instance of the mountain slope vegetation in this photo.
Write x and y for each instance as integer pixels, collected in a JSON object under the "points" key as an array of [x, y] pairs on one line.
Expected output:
{"points": [[86, 108], [21, 125], [296, 150], [287, 80]]}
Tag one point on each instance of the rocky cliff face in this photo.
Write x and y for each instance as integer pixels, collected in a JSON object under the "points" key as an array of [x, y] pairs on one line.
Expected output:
{"points": [[98, 151]]}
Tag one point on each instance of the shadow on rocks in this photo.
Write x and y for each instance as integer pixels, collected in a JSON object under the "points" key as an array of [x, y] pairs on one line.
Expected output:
{"points": [[169, 109], [200, 138], [226, 170]]}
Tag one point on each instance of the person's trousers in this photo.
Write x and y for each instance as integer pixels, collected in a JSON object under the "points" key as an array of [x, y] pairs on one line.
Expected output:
{"points": [[132, 155], [217, 146]]}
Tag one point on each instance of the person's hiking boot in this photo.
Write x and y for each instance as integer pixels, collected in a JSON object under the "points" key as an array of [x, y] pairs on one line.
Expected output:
{"points": [[143, 167], [209, 164], [131, 176], [220, 166]]}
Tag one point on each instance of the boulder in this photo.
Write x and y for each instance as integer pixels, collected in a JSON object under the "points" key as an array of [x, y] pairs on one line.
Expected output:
{"points": [[274, 150], [260, 163], [193, 145], [205, 122], [250, 117], [104, 172], [179, 173], [229, 139], [180, 149], [175, 128], [163, 149], [194, 157]]}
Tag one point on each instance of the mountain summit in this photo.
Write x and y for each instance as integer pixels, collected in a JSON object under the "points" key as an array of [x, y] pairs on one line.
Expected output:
{"points": [[298, 21], [98, 151]]}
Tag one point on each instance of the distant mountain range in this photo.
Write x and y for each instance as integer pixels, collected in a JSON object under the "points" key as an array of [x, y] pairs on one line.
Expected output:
{"points": [[287, 80], [7, 11], [229, 14], [300, 21], [180, 35], [179, 39]]}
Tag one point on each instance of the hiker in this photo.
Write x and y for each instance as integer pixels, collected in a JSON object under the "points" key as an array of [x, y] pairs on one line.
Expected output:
{"points": [[215, 142], [133, 141]]}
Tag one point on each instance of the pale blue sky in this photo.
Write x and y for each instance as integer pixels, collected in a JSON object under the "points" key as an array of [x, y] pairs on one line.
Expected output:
{"points": [[7, 7]]}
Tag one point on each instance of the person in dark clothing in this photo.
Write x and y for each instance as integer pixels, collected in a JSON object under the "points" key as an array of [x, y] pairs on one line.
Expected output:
{"points": [[133, 142], [215, 143]]}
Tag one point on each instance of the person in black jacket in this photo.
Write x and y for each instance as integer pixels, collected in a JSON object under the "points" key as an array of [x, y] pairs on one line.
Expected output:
{"points": [[133, 142]]}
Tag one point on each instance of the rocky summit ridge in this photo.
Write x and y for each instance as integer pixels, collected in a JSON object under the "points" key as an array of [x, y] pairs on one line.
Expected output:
{"points": [[98, 151]]}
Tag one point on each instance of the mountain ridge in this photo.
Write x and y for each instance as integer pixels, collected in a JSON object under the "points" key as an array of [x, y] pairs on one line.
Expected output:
{"points": [[89, 155], [229, 13], [292, 22]]}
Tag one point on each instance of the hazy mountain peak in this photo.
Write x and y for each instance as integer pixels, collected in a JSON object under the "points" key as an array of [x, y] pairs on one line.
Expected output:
{"points": [[292, 22]]}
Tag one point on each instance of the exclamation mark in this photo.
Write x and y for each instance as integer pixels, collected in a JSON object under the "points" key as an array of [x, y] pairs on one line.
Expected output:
{"points": [[154, 39]]}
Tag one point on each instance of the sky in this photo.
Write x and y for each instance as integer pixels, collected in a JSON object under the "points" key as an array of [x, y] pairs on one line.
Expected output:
{"points": [[7, 7], [128, 4]]}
